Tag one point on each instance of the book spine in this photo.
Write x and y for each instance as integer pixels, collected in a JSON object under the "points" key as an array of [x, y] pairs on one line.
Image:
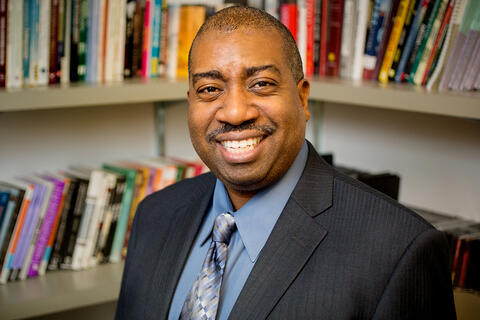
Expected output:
{"points": [[375, 29], [82, 41], [382, 47], [43, 42], [111, 220], [322, 71], [67, 43], [34, 30], [53, 50], [3, 42], [129, 46], [26, 37], [422, 65], [45, 229], [51, 239], [8, 227], [346, 48], [421, 11], [425, 38], [288, 16], [399, 22], [155, 34], [6, 211], [473, 68], [162, 68], [407, 26], [173, 30], [60, 39], [271, 7], [310, 37], [137, 38], [316, 36], [302, 32], [191, 19], [64, 226], [360, 34], [335, 37], [101, 40], [92, 41], [74, 40], [146, 48], [15, 238], [441, 36], [119, 57], [14, 71]]}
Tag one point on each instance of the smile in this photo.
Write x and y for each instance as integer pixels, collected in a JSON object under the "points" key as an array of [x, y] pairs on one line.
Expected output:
{"points": [[241, 146]]}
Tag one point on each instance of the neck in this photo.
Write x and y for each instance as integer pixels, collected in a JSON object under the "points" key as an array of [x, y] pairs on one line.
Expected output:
{"points": [[239, 198]]}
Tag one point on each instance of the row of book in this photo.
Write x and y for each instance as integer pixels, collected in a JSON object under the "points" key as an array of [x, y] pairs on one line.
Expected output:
{"points": [[435, 43], [464, 239], [77, 218]]}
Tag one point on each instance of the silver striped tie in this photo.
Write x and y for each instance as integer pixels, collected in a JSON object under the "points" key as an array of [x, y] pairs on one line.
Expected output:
{"points": [[202, 300]]}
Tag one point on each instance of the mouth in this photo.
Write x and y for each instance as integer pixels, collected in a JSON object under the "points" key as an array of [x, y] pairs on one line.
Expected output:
{"points": [[241, 146]]}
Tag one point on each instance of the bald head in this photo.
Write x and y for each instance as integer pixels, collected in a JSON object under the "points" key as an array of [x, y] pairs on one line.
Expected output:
{"points": [[235, 18]]}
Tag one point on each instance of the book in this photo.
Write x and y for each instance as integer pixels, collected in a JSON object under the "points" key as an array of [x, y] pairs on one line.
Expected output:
{"points": [[348, 40], [147, 39], [155, 34], [138, 35], [288, 16], [429, 44], [60, 39], [191, 19], [413, 34], [322, 69], [33, 55], [272, 8], [74, 39], [82, 41], [43, 68], [360, 32], [122, 223], [474, 67], [53, 48], [46, 226], [129, 32], [67, 44], [302, 32], [172, 45], [398, 25], [101, 39], [467, 74], [316, 36], [3, 42], [425, 38], [407, 26], [92, 43], [14, 57], [378, 21], [119, 53], [162, 59], [12, 248], [335, 17]]}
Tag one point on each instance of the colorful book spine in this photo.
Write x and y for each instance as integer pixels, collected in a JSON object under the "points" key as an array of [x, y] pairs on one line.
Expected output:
{"points": [[399, 22], [429, 44], [43, 42], [380, 11], [173, 31], [322, 69], [288, 16], [10, 219], [302, 32], [155, 34], [147, 44], [26, 39], [46, 228], [361, 13], [348, 33], [316, 36], [34, 16], [67, 37], [92, 41], [129, 30], [14, 65], [82, 41], [101, 39], [74, 39], [425, 38], [53, 49], [60, 39], [438, 41], [119, 53], [162, 60], [410, 42], [3, 42], [473, 67]]}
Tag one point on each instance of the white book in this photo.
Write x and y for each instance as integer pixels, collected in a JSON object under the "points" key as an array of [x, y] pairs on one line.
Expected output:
{"points": [[34, 15], [65, 60], [14, 72], [102, 4], [302, 32], [41, 215], [347, 44], [172, 47], [361, 13], [44, 42], [119, 58], [271, 7]]}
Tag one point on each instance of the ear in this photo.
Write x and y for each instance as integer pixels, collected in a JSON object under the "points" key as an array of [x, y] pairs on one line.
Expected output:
{"points": [[303, 88]]}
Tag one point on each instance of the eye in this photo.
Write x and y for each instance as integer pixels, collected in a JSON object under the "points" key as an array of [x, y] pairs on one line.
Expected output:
{"points": [[209, 89], [261, 84]]}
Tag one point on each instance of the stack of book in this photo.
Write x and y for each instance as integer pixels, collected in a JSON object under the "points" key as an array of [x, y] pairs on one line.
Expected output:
{"points": [[433, 43], [464, 239], [77, 218]]}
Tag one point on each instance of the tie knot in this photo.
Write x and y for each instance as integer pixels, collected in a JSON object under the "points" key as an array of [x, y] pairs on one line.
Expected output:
{"points": [[223, 229]]}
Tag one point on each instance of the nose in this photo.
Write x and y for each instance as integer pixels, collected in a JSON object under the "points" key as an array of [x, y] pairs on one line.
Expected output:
{"points": [[237, 107]]}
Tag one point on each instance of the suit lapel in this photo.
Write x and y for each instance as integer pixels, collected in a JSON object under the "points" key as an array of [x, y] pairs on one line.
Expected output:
{"points": [[172, 258], [294, 238]]}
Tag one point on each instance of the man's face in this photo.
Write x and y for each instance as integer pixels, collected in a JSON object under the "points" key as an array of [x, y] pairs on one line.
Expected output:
{"points": [[247, 114]]}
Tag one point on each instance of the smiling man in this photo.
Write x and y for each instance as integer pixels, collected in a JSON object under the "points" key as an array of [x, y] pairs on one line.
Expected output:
{"points": [[273, 232]]}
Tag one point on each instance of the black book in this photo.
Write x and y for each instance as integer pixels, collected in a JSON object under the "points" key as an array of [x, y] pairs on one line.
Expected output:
{"points": [[74, 40]]}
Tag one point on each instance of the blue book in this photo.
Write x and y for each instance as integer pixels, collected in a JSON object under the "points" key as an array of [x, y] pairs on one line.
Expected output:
{"points": [[26, 39], [156, 26], [13, 206], [92, 40], [4, 197]]}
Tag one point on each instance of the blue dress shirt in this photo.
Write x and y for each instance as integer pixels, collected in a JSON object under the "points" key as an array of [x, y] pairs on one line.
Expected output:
{"points": [[254, 221]]}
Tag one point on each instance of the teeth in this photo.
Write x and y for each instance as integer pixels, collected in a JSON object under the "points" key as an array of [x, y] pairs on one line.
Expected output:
{"points": [[239, 146]]}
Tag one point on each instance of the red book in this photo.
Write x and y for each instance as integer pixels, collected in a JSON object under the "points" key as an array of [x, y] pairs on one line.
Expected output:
{"points": [[335, 21], [310, 37], [288, 16], [323, 39], [52, 76], [3, 42]]}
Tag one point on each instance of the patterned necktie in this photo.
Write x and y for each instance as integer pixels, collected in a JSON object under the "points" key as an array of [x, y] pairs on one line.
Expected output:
{"points": [[202, 300]]}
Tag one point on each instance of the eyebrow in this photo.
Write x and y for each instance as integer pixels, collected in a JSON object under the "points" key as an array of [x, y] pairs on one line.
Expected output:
{"points": [[212, 74], [254, 70]]}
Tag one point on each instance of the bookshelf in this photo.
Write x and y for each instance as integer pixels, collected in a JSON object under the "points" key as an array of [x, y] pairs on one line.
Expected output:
{"points": [[402, 97]]}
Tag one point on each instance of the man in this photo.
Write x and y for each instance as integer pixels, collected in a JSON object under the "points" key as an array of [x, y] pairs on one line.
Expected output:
{"points": [[273, 232]]}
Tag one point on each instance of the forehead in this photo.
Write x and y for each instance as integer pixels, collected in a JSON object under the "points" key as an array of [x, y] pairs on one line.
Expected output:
{"points": [[242, 47]]}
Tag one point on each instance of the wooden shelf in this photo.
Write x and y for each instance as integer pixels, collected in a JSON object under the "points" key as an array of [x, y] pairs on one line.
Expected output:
{"points": [[370, 94], [59, 291]]}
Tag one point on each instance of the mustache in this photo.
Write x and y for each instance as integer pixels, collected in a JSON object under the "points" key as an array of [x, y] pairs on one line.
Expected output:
{"points": [[265, 129]]}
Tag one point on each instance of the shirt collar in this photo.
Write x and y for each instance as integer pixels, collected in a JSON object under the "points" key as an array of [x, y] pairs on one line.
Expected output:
{"points": [[256, 219]]}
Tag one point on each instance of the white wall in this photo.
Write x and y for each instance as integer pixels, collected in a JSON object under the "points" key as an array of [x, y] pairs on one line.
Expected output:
{"points": [[437, 157], [32, 141]]}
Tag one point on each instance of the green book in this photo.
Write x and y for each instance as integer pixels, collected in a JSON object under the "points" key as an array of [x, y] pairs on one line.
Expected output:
{"points": [[426, 35], [122, 223], [82, 41]]}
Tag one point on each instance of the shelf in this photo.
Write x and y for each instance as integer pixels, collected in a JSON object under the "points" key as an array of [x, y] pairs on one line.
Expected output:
{"points": [[370, 94], [59, 291]]}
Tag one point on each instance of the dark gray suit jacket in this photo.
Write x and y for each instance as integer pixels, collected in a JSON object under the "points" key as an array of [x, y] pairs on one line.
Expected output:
{"points": [[339, 250]]}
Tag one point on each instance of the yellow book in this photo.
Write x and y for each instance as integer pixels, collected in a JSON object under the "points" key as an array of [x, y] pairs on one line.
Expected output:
{"points": [[191, 18], [393, 41]]}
